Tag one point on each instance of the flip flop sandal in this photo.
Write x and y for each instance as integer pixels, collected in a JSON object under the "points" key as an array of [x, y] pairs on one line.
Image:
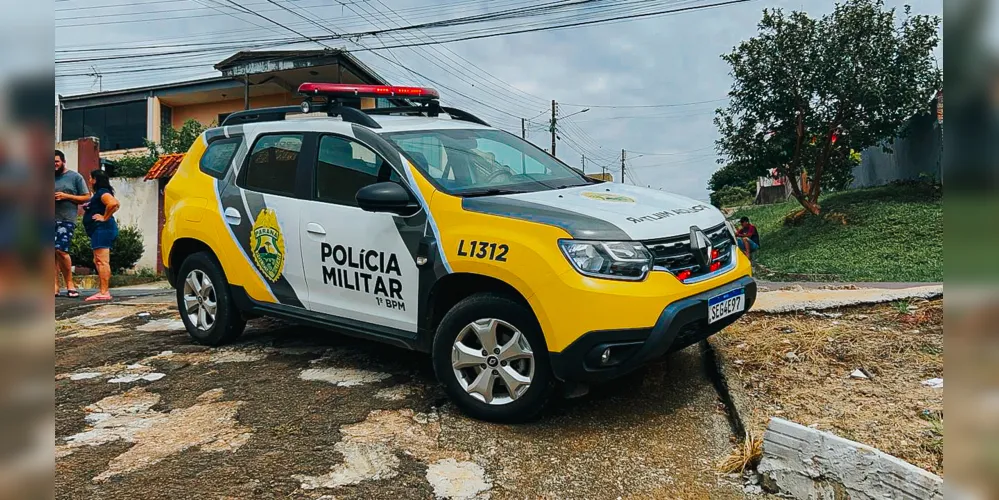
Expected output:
{"points": [[96, 297], [72, 294]]}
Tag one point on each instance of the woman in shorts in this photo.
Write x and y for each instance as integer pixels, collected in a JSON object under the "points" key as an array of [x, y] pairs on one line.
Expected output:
{"points": [[99, 221]]}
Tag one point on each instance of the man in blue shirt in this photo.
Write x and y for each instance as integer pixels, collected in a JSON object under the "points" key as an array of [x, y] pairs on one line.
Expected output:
{"points": [[70, 190]]}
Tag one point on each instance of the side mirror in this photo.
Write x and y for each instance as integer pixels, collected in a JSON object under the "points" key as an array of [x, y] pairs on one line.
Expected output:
{"points": [[386, 197]]}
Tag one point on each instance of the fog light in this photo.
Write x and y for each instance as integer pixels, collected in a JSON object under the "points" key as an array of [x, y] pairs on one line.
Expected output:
{"points": [[605, 356]]}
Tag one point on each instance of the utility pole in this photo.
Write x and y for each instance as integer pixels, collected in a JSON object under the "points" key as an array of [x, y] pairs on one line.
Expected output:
{"points": [[583, 158], [622, 166], [523, 128], [553, 127]]}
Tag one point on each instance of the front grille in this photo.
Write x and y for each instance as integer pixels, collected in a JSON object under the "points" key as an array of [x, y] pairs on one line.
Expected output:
{"points": [[674, 254]]}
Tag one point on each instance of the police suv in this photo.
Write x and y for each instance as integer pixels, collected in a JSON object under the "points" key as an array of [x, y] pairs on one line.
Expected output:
{"points": [[423, 227]]}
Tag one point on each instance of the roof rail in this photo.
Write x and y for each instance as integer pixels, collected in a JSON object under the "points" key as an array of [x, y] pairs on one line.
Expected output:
{"points": [[259, 115], [348, 114], [458, 114]]}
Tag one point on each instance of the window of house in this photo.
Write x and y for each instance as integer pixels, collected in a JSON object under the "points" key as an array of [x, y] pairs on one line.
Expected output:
{"points": [[218, 157], [116, 126], [166, 119], [344, 167], [273, 164]]}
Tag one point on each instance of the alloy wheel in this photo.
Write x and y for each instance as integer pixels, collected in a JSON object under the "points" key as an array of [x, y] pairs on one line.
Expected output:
{"points": [[493, 361], [200, 302]]}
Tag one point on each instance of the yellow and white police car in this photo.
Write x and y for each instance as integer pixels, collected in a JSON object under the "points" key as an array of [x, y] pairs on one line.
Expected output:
{"points": [[423, 227]]}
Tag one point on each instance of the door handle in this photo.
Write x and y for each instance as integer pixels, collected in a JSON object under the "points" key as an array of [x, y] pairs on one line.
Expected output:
{"points": [[314, 228], [232, 216]]}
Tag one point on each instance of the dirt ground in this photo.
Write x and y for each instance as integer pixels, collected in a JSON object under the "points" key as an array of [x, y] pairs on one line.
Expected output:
{"points": [[291, 412], [798, 366]]}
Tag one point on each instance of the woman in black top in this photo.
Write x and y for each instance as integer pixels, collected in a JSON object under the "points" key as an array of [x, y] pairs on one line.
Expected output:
{"points": [[99, 221]]}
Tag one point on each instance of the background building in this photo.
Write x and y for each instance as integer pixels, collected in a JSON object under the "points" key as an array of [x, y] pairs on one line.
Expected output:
{"points": [[122, 120]]}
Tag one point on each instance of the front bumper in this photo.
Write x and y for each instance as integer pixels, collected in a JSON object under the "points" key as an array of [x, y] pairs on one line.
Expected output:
{"points": [[681, 324]]}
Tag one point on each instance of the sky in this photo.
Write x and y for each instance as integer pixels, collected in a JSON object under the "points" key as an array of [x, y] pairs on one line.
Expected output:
{"points": [[671, 61]]}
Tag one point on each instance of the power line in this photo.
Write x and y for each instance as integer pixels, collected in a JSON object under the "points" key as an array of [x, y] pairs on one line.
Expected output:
{"points": [[641, 154], [670, 105], [265, 18], [512, 13]]}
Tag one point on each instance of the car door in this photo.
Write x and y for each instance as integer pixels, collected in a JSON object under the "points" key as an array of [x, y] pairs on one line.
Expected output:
{"points": [[359, 265], [262, 209]]}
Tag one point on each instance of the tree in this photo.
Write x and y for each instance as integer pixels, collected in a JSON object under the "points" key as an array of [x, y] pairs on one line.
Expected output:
{"points": [[809, 93], [179, 141], [171, 141]]}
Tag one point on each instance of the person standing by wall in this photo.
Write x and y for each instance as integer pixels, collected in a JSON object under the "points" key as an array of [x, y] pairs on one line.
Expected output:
{"points": [[101, 226], [70, 191]]}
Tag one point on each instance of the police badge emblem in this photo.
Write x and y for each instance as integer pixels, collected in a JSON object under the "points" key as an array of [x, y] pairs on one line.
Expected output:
{"points": [[267, 244]]}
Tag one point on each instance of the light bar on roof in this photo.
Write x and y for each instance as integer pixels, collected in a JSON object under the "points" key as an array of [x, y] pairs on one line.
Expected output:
{"points": [[334, 90]]}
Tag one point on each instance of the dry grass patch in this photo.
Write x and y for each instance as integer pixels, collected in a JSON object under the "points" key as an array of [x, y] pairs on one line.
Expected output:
{"points": [[798, 367], [746, 455]]}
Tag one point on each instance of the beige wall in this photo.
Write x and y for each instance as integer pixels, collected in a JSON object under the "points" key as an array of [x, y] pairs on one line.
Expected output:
{"points": [[72, 152], [139, 207], [153, 119], [206, 113]]}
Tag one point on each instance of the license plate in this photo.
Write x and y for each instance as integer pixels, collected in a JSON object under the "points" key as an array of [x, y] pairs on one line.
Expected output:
{"points": [[726, 304]]}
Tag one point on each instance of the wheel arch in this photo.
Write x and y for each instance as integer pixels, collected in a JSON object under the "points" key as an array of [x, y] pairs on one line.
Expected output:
{"points": [[182, 249], [452, 288]]}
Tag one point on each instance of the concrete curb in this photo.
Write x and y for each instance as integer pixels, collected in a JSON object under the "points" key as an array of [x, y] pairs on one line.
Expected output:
{"points": [[783, 301], [806, 463]]}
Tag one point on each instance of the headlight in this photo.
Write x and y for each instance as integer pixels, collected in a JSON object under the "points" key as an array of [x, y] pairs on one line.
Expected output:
{"points": [[622, 260]]}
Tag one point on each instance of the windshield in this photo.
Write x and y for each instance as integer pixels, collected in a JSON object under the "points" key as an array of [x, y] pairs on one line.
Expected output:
{"points": [[470, 162]]}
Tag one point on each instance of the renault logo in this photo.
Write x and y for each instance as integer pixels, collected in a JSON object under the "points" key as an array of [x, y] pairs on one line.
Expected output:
{"points": [[700, 246]]}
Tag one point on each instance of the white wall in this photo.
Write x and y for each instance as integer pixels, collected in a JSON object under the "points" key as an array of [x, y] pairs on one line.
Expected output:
{"points": [[139, 207]]}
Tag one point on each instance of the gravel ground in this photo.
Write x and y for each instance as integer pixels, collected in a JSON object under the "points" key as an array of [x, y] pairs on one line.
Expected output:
{"points": [[293, 412]]}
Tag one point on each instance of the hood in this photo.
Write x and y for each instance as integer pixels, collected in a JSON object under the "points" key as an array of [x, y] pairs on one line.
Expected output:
{"points": [[605, 211]]}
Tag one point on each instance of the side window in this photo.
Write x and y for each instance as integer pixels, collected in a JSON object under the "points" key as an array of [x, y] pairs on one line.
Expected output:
{"points": [[218, 157], [346, 166], [429, 156], [273, 164]]}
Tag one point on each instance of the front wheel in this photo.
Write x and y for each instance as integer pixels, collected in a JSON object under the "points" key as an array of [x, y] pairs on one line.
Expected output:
{"points": [[205, 303], [491, 356]]}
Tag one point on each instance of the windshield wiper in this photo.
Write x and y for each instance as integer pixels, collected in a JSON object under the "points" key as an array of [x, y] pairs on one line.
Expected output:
{"points": [[490, 192]]}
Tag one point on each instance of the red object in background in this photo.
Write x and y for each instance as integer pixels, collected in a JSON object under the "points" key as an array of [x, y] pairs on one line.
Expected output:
{"points": [[366, 90], [682, 275], [714, 253], [834, 137], [715, 266]]}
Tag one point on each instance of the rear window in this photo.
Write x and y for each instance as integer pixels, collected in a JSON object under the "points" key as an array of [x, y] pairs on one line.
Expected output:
{"points": [[218, 157], [273, 164]]}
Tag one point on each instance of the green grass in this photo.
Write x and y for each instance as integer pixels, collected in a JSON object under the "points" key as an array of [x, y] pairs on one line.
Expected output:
{"points": [[893, 233]]}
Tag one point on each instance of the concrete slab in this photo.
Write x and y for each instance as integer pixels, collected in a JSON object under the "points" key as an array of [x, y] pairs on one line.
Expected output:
{"points": [[795, 298], [806, 463]]}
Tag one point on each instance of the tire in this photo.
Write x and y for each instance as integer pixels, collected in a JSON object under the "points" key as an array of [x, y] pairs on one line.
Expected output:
{"points": [[493, 401], [226, 324]]}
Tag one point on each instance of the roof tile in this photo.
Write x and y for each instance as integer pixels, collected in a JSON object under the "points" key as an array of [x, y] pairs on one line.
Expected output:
{"points": [[165, 166]]}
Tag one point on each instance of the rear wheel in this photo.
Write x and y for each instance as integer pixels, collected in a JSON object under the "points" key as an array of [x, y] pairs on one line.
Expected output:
{"points": [[205, 303], [492, 359]]}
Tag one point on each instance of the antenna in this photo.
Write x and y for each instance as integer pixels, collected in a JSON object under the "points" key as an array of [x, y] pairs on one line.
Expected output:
{"points": [[98, 79]]}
